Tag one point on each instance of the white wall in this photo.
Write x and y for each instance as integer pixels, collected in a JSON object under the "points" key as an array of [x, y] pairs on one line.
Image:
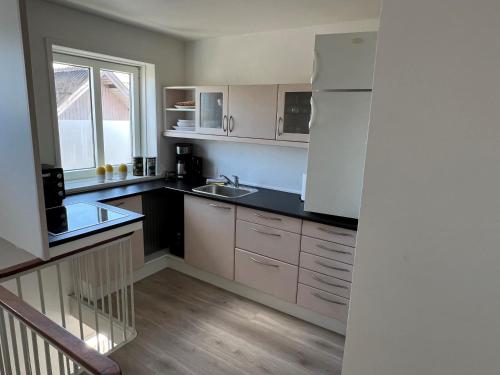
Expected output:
{"points": [[21, 201], [426, 290], [284, 56], [96, 34], [265, 166]]}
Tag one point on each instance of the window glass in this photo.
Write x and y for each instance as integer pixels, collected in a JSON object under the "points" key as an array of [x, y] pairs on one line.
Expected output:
{"points": [[98, 113], [297, 112], [74, 114], [116, 116], [211, 110]]}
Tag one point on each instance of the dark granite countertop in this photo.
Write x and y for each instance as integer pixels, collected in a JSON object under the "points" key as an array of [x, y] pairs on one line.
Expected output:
{"points": [[274, 201], [126, 217]]}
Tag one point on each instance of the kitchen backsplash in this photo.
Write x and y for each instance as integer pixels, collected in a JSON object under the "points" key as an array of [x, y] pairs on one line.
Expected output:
{"points": [[272, 167]]}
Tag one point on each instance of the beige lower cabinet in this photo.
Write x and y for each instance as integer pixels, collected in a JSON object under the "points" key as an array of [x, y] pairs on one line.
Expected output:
{"points": [[300, 262], [326, 266], [268, 275], [133, 204], [324, 282], [209, 229], [323, 302], [328, 233], [327, 249], [274, 243]]}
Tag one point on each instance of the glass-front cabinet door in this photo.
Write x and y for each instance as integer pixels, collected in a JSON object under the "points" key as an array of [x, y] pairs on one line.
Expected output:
{"points": [[211, 110], [294, 112]]}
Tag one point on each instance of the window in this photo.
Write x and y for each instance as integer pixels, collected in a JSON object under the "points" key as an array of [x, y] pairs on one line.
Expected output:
{"points": [[98, 116]]}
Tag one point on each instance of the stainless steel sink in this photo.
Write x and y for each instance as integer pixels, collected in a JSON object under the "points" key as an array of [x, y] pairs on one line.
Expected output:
{"points": [[225, 191]]}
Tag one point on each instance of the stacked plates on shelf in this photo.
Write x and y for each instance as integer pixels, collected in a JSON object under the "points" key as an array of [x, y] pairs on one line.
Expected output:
{"points": [[184, 125]]}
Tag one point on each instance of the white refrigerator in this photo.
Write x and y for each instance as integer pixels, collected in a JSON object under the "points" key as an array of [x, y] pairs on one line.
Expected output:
{"points": [[342, 86]]}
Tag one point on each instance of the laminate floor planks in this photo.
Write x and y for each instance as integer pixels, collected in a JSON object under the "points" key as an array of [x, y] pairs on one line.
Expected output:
{"points": [[186, 326]]}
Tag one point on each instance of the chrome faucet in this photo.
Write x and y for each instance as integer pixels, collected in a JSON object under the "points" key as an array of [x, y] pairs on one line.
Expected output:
{"points": [[235, 183]]}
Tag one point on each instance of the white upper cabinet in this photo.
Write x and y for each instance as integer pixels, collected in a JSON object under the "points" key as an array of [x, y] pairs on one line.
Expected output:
{"points": [[344, 61], [22, 212], [252, 111], [211, 110], [294, 112]]}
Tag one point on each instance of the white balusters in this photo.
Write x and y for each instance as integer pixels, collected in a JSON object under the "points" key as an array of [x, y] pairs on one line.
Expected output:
{"points": [[5, 345], [131, 282], [90, 294], [24, 334], [109, 293], [43, 310]]}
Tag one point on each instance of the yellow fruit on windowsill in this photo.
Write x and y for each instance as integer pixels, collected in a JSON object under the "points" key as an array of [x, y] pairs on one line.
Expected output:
{"points": [[122, 171], [109, 172], [100, 173]]}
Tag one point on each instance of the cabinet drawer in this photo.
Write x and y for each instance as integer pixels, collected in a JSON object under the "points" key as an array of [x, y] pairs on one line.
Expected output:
{"points": [[287, 223], [326, 249], [326, 266], [274, 243], [327, 283], [329, 233], [268, 275], [322, 302]]}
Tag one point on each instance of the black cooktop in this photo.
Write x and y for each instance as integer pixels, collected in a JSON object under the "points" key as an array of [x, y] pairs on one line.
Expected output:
{"points": [[77, 216]]}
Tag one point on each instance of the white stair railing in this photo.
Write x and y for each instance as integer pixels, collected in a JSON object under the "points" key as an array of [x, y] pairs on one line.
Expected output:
{"points": [[88, 295]]}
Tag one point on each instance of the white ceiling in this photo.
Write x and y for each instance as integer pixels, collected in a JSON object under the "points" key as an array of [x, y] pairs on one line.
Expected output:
{"points": [[193, 19]]}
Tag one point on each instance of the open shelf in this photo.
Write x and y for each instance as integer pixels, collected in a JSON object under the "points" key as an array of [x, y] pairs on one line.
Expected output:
{"points": [[181, 109], [180, 88], [173, 95]]}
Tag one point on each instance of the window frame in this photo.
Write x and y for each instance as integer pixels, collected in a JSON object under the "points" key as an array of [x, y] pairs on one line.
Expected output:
{"points": [[95, 65]]}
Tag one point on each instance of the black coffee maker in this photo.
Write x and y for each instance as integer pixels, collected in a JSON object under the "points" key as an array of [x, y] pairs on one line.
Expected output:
{"points": [[183, 160], [187, 167]]}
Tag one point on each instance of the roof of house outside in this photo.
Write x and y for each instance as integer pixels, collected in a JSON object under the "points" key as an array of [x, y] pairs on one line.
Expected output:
{"points": [[71, 82]]}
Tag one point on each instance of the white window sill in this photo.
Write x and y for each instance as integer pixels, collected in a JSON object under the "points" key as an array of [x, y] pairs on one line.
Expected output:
{"points": [[91, 184]]}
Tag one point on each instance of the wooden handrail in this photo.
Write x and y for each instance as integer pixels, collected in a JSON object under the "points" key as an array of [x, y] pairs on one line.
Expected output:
{"points": [[61, 339]]}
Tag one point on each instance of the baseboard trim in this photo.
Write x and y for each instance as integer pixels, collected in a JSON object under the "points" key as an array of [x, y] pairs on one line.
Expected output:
{"points": [[178, 264], [151, 267]]}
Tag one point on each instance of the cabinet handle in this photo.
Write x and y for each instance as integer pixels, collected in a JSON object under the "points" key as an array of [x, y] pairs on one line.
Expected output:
{"points": [[224, 123], [280, 126], [328, 283], [315, 67], [312, 119], [266, 233], [317, 295], [330, 231], [268, 217], [231, 124], [218, 206], [331, 267], [264, 263], [320, 246]]}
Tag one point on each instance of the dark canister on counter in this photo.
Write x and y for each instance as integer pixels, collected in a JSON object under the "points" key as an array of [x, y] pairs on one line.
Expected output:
{"points": [[151, 166], [138, 166]]}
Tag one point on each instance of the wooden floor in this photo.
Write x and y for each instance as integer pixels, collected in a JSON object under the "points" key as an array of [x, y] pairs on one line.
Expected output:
{"points": [[186, 326]]}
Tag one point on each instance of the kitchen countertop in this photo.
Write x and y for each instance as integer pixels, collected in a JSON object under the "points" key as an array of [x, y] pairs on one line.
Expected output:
{"points": [[274, 201], [128, 218]]}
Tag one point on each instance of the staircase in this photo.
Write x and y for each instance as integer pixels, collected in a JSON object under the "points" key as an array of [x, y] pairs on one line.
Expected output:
{"points": [[65, 315]]}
